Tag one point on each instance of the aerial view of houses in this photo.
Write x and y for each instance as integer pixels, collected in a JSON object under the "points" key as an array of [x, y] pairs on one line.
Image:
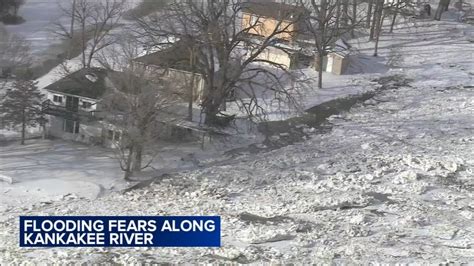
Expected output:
{"points": [[278, 131]]}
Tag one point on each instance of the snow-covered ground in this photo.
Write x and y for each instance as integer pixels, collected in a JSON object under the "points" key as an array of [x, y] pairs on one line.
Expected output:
{"points": [[49, 170], [392, 181], [44, 170]]}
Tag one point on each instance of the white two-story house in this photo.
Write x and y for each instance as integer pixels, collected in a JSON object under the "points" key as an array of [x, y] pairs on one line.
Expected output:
{"points": [[73, 108], [74, 111]]}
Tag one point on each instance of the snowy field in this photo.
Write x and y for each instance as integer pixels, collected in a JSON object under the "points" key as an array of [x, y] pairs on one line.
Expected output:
{"points": [[392, 181], [48, 170]]}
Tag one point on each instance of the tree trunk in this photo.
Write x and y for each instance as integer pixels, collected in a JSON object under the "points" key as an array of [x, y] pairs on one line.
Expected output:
{"points": [[393, 22], [354, 17], [442, 6], [128, 164], [446, 7], [369, 13], [43, 135], [378, 33], [137, 161], [338, 16], [394, 18], [127, 175], [211, 110], [90, 56], [84, 44], [191, 87], [23, 129], [73, 16], [191, 100], [320, 70], [345, 13], [376, 18], [374, 23]]}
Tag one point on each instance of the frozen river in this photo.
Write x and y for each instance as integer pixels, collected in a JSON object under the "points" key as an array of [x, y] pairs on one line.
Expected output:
{"points": [[39, 17]]}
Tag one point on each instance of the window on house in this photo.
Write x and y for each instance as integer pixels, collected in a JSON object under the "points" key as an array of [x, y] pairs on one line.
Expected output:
{"points": [[253, 20], [86, 105], [114, 135], [71, 126], [110, 134], [117, 135], [57, 99]]}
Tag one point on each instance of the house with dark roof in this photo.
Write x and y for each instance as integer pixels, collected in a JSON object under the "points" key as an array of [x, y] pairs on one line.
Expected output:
{"points": [[73, 107], [262, 18], [176, 63]]}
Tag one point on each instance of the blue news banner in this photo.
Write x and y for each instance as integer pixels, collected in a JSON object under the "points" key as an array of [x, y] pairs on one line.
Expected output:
{"points": [[127, 231]]}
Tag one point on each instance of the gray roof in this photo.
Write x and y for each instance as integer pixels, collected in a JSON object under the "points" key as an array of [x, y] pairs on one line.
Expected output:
{"points": [[176, 56], [87, 82], [280, 11]]}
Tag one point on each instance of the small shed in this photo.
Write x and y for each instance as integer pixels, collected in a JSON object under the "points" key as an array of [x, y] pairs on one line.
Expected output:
{"points": [[337, 63], [338, 58]]}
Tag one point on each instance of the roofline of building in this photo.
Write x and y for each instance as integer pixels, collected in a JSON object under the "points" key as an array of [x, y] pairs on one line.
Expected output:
{"points": [[267, 17]]}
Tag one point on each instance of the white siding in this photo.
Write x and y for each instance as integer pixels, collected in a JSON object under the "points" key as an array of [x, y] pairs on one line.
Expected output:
{"points": [[276, 56], [50, 96]]}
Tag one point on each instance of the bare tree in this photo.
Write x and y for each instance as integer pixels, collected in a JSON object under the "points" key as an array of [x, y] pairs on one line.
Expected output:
{"points": [[322, 25], [399, 7], [442, 7], [376, 30], [394, 8], [369, 13], [228, 57], [354, 18], [140, 104], [394, 15], [91, 23], [345, 13], [446, 6], [338, 13], [377, 18], [14, 56]]}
